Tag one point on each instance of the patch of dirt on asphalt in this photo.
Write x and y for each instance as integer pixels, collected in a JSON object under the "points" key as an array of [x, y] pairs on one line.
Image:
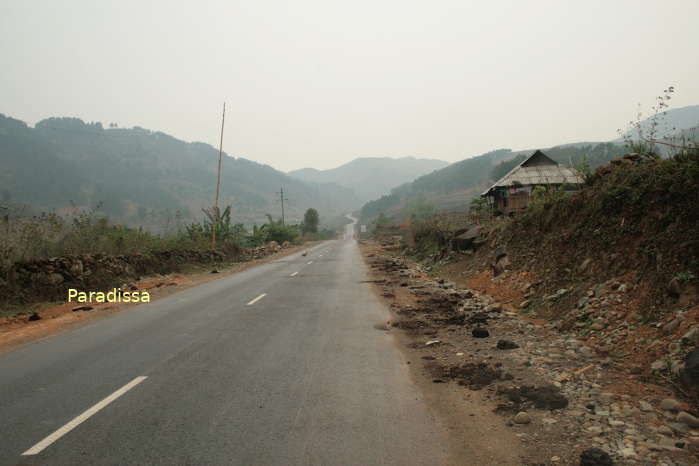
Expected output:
{"points": [[57, 317], [537, 394]]}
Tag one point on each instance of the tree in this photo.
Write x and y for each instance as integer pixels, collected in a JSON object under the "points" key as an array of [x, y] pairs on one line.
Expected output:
{"points": [[310, 221], [420, 208], [381, 222]]}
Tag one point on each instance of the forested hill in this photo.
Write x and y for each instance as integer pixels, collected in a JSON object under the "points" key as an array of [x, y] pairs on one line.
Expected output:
{"points": [[371, 177], [143, 177]]}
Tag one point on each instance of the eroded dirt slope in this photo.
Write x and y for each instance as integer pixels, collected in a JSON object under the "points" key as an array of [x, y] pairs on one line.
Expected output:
{"points": [[560, 398]]}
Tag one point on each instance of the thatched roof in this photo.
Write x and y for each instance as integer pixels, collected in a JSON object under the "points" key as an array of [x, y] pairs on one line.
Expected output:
{"points": [[537, 169]]}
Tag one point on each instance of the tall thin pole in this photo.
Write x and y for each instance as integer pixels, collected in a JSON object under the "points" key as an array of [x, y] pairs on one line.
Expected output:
{"points": [[218, 181], [282, 198]]}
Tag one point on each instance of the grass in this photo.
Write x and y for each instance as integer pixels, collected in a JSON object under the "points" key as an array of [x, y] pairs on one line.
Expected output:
{"points": [[16, 310], [26, 238]]}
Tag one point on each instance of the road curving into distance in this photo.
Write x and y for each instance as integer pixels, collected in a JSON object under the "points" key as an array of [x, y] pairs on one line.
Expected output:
{"points": [[276, 365]]}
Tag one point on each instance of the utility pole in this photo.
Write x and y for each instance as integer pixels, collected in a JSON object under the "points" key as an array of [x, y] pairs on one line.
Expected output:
{"points": [[282, 199], [217, 217]]}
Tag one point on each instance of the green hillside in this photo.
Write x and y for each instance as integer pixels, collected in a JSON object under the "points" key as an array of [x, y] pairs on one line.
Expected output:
{"points": [[143, 177]]}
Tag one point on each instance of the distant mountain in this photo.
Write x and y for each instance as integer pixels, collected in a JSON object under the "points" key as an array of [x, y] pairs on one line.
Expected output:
{"points": [[448, 187], [671, 122], [371, 177], [145, 177]]}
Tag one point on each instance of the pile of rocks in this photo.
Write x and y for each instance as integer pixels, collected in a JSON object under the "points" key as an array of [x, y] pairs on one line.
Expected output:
{"points": [[262, 251]]}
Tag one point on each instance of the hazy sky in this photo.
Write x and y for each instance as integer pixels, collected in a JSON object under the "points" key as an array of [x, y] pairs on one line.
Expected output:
{"points": [[320, 82]]}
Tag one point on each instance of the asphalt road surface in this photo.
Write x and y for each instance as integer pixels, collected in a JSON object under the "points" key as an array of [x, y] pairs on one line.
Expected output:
{"points": [[350, 229], [276, 365]]}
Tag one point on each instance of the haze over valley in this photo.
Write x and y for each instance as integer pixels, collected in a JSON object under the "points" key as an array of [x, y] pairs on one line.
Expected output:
{"points": [[371, 233]]}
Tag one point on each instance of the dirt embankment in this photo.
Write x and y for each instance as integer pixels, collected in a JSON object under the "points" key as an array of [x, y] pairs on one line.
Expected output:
{"points": [[617, 265], [599, 293], [559, 401]]}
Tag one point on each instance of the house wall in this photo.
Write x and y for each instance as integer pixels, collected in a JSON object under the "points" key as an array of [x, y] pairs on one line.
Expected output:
{"points": [[510, 200], [517, 201]]}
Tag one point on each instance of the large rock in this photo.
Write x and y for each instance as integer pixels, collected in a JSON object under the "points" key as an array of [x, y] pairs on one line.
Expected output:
{"points": [[688, 419], [500, 253], [585, 264], [54, 278], [690, 374], [671, 326], [670, 404], [674, 288], [467, 239], [505, 263], [691, 337], [645, 406], [502, 264], [595, 457], [506, 345], [685, 292], [678, 428], [76, 268]]}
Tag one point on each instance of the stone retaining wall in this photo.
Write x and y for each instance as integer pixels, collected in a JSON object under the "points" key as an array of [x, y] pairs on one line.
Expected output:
{"points": [[50, 279]]}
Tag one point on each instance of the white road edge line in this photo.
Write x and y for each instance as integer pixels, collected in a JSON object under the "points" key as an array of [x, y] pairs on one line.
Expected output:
{"points": [[39, 447], [257, 299], [294, 274]]}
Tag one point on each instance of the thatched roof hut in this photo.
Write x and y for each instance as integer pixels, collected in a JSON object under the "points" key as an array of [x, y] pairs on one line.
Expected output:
{"points": [[511, 192]]}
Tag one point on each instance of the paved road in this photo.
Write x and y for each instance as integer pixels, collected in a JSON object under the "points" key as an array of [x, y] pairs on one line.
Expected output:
{"points": [[350, 229], [300, 376]]}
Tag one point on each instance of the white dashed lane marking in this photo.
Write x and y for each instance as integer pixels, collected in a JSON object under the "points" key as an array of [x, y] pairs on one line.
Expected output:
{"points": [[39, 447], [257, 299]]}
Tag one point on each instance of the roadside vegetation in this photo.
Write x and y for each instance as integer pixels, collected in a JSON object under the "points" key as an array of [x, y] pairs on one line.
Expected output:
{"points": [[27, 237]]}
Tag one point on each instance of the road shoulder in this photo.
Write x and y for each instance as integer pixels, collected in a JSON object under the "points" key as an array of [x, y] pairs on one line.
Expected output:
{"points": [[476, 435]]}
